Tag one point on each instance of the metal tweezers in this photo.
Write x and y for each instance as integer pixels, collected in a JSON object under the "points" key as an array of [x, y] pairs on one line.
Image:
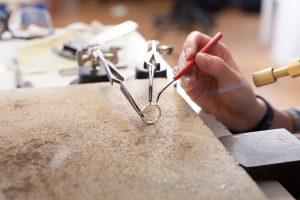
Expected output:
{"points": [[115, 76], [151, 63]]}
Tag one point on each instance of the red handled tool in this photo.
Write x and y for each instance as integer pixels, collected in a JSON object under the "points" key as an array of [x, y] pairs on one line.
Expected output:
{"points": [[191, 62]]}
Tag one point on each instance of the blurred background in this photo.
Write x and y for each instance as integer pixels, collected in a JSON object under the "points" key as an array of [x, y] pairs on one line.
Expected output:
{"points": [[259, 33]]}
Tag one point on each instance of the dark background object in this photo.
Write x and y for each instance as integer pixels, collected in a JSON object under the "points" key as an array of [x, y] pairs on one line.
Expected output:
{"points": [[186, 13], [272, 154], [142, 73], [248, 5], [88, 75]]}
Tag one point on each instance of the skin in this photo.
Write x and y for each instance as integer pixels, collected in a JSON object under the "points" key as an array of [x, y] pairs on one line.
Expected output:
{"points": [[216, 84]]}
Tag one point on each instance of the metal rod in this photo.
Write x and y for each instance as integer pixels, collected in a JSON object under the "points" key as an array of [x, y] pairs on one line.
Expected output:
{"points": [[164, 89], [151, 69]]}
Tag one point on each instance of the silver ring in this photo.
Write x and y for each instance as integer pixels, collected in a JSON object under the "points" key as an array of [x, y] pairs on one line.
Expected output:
{"points": [[151, 113]]}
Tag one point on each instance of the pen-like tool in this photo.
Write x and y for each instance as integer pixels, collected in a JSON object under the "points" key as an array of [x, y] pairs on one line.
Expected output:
{"points": [[191, 62]]}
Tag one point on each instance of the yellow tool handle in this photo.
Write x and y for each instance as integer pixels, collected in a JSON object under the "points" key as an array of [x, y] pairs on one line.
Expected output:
{"points": [[270, 75]]}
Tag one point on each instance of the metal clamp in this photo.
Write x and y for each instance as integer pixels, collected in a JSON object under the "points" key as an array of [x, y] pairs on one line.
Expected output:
{"points": [[153, 61], [90, 54]]}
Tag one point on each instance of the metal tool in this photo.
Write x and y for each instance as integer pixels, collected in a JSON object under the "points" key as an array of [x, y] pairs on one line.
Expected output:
{"points": [[87, 54], [270, 75], [154, 55], [94, 72], [191, 62], [152, 61], [98, 58], [153, 64]]}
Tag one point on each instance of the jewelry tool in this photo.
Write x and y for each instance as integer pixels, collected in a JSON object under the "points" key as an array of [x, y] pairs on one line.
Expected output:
{"points": [[91, 68], [151, 113], [154, 64], [97, 57], [214, 40]]}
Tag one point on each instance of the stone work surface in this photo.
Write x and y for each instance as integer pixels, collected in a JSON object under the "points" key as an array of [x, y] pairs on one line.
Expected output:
{"points": [[86, 142]]}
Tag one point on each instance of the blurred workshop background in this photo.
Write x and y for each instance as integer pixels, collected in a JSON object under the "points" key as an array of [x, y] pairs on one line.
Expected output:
{"points": [[259, 33]]}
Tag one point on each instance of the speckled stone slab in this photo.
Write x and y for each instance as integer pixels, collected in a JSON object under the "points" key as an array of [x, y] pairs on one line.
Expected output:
{"points": [[86, 142]]}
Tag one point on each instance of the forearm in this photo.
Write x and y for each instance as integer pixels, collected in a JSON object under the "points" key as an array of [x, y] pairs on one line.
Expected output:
{"points": [[282, 119], [267, 117]]}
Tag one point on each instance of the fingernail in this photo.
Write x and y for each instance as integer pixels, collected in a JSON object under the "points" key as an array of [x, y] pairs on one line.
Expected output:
{"points": [[185, 79], [187, 52], [201, 60]]}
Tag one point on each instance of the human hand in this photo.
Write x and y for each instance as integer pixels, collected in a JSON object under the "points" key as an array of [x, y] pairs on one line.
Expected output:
{"points": [[218, 87]]}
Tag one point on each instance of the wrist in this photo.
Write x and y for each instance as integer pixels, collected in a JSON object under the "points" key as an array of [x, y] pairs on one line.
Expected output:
{"points": [[259, 118]]}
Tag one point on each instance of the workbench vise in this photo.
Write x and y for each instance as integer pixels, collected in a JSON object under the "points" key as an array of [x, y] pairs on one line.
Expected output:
{"points": [[91, 69], [270, 75]]}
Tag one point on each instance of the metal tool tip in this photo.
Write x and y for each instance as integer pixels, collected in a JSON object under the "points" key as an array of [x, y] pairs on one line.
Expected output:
{"points": [[164, 90], [158, 97]]}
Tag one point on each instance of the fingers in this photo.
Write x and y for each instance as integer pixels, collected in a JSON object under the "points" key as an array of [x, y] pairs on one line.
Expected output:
{"points": [[181, 62], [196, 41], [208, 66], [189, 81], [193, 40], [185, 82], [215, 66]]}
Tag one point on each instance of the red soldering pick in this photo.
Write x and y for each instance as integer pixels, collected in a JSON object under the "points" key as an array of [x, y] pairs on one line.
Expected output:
{"points": [[191, 62]]}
